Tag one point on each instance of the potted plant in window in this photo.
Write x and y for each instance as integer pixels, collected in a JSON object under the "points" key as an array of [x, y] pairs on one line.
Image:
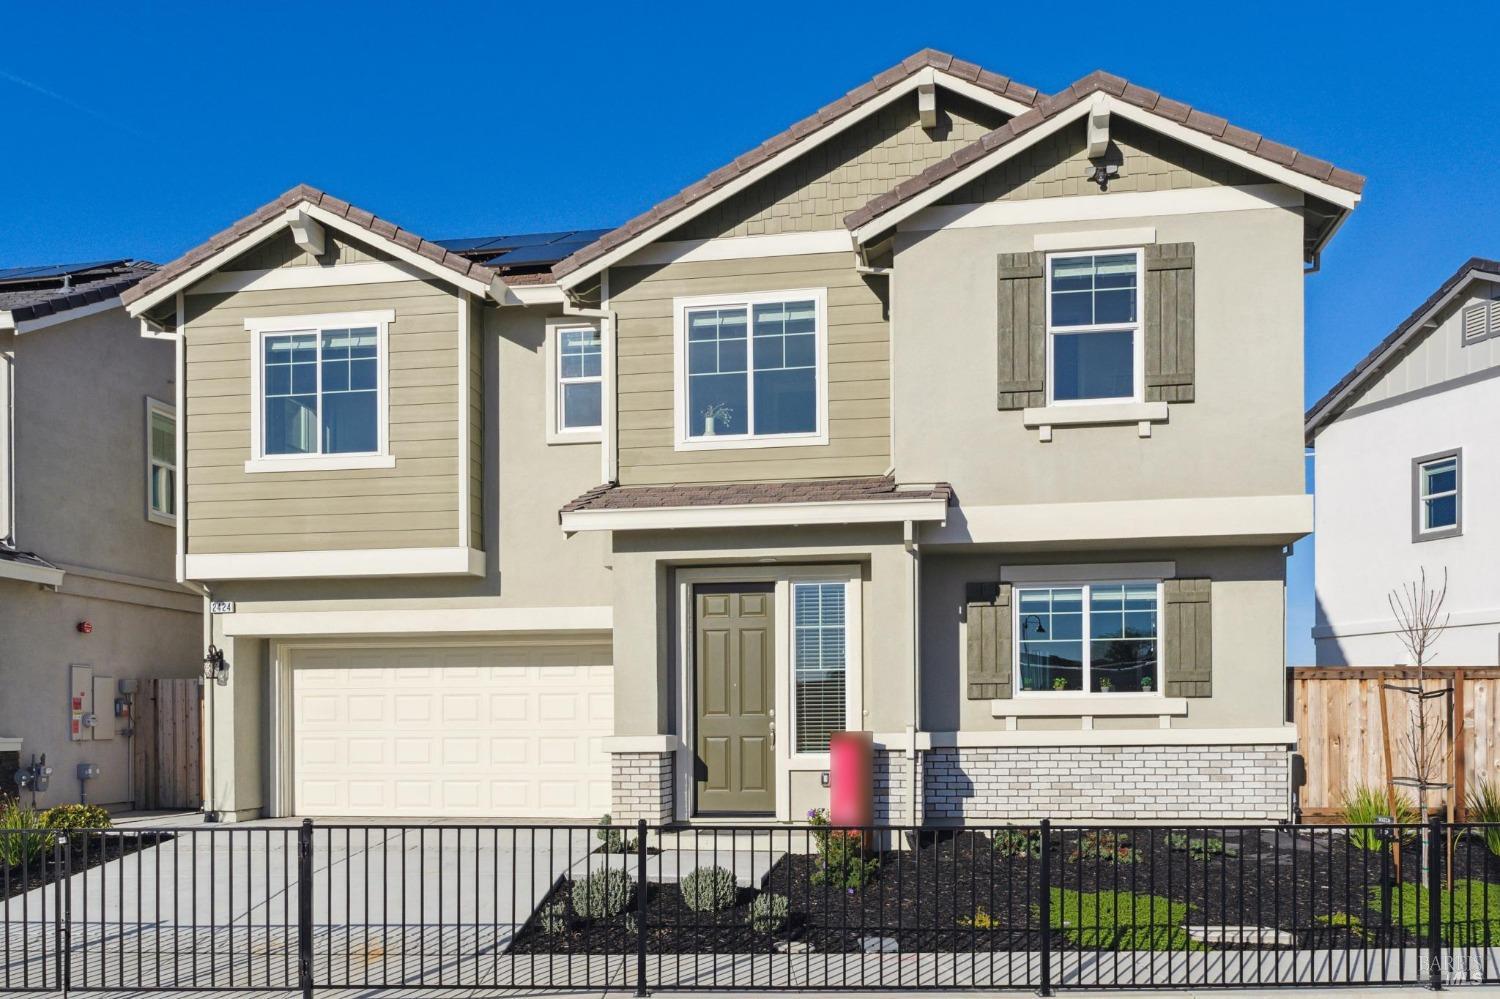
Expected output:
{"points": [[1106, 686], [715, 414], [1146, 684], [1059, 683]]}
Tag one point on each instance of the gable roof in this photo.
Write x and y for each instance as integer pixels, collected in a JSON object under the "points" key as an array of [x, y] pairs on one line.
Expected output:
{"points": [[326, 208], [672, 209], [1233, 138], [1345, 390], [32, 297]]}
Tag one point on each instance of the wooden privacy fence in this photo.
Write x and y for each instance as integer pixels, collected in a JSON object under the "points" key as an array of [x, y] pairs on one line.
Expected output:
{"points": [[1337, 711], [168, 750]]}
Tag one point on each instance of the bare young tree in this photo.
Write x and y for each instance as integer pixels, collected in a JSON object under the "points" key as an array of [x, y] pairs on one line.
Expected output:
{"points": [[1424, 748]]}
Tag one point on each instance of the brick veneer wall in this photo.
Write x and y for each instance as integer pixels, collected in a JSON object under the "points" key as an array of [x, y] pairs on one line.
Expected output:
{"points": [[641, 787], [892, 772], [1107, 783]]}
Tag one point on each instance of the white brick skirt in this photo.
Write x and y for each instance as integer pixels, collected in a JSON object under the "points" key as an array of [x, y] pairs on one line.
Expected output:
{"points": [[641, 787], [1189, 784]]}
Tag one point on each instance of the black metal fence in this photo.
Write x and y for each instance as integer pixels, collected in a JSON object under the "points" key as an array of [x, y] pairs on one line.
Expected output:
{"points": [[1042, 907]]}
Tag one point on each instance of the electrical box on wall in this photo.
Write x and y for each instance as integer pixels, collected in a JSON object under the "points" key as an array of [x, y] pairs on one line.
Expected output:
{"points": [[80, 702], [104, 717]]}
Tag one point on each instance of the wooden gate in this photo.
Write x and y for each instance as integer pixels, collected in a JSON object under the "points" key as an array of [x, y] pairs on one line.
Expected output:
{"points": [[168, 748]]}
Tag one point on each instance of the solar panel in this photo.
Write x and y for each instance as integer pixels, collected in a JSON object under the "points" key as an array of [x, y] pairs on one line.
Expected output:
{"points": [[547, 253], [17, 275], [531, 242]]}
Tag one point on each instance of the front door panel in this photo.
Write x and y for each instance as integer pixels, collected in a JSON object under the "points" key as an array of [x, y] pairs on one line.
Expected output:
{"points": [[735, 681]]}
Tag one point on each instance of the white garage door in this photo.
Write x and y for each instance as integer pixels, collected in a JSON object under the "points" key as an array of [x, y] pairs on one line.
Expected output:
{"points": [[452, 732]]}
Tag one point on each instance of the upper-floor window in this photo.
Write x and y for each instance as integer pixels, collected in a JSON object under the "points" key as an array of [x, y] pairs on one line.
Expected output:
{"points": [[580, 378], [752, 370], [319, 392], [1094, 637], [161, 462], [1437, 496], [1094, 342]]}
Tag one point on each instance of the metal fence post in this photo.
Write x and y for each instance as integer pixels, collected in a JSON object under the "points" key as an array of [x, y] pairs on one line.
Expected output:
{"points": [[1435, 902], [62, 905], [305, 908], [1044, 909], [640, 908]]}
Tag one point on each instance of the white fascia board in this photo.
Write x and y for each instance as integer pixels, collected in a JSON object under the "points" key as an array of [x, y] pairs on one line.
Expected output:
{"points": [[781, 159], [204, 267], [368, 563], [1281, 735], [436, 621], [24, 573], [279, 278], [56, 318], [784, 244], [1416, 328], [756, 515], [1216, 519]]}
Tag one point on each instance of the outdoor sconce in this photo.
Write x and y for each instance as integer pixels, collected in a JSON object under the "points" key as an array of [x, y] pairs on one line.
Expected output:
{"points": [[214, 666]]}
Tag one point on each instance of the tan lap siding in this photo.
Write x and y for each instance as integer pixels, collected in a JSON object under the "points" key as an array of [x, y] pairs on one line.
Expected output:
{"points": [[413, 505], [858, 370]]}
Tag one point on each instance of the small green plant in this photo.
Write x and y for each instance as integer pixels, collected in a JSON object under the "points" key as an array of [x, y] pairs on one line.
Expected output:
{"points": [[769, 912], [1017, 843], [842, 860], [1106, 846], [709, 889], [1121, 920], [1351, 923], [612, 839], [1365, 805], [1201, 846], [22, 841], [1483, 801], [1106, 686], [554, 917], [981, 920], [602, 894], [1059, 683], [75, 817]]}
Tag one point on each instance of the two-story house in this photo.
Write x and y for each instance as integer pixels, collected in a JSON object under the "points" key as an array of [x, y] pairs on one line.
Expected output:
{"points": [[956, 413], [1407, 462], [89, 600]]}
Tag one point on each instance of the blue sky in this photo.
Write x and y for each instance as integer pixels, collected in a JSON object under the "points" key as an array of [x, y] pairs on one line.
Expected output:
{"points": [[140, 129]]}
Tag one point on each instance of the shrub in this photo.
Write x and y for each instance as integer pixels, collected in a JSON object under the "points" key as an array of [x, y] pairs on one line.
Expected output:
{"points": [[602, 894], [1106, 846], [1201, 846], [709, 889], [75, 817], [769, 912], [613, 840], [1017, 843], [1483, 802], [1365, 804], [842, 860], [21, 839], [554, 917]]}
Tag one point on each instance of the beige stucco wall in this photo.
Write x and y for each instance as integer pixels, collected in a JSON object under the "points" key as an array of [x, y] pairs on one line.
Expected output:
{"points": [[858, 370], [1241, 437], [1249, 601]]}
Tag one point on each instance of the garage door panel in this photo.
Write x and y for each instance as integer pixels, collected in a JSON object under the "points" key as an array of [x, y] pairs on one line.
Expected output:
{"points": [[464, 732]]}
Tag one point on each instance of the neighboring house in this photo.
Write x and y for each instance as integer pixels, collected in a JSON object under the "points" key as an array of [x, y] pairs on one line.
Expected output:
{"points": [[88, 596], [1407, 473], [861, 469]]}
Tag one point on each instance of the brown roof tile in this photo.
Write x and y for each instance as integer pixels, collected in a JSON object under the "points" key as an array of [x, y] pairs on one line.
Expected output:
{"points": [[871, 489]]}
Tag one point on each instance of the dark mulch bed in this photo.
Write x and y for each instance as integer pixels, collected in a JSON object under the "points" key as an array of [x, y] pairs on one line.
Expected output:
{"points": [[955, 892], [84, 851]]}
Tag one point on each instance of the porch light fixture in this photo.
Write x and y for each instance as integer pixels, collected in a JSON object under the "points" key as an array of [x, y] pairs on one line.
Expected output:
{"points": [[215, 667]]}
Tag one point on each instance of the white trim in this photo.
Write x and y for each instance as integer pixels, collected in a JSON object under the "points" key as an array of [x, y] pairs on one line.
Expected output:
{"points": [[552, 343], [1137, 330], [757, 515], [784, 244], [283, 278], [179, 389], [681, 418], [25, 573], [465, 341], [205, 267], [402, 253], [1096, 208], [640, 744], [1104, 572], [10, 745], [1285, 735], [400, 621], [153, 408], [1094, 239], [369, 562], [7, 319], [1096, 414], [1093, 705], [259, 328], [791, 153], [1209, 519]]}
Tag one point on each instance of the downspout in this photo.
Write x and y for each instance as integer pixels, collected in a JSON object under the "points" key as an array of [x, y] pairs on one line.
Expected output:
{"points": [[909, 541], [608, 451], [8, 467]]}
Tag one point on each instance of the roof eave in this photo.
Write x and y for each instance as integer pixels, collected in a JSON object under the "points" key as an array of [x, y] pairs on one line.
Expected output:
{"points": [[924, 509]]}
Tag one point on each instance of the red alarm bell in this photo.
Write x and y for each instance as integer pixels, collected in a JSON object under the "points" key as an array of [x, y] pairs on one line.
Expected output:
{"points": [[85, 627]]}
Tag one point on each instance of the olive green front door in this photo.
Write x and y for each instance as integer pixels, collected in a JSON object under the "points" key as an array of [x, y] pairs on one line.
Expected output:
{"points": [[735, 694]]}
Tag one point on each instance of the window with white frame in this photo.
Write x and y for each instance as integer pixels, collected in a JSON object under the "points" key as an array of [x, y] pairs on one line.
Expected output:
{"points": [[161, 462], [1098, 638], [1437, 496], [580, 378], [1094, 342], [752, 369], [819, 663]]}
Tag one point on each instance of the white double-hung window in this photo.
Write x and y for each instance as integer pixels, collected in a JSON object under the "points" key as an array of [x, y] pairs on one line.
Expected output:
{"points": [[1095, 349], [580, 378], [820, 663], [751, 370], [319, 392], [161, 462], [1098, 638]]}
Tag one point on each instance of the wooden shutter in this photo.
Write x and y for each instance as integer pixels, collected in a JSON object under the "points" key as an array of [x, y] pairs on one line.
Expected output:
{"points": [[1169, 322], [987, 613], [1189, 639], [1021, 340]]}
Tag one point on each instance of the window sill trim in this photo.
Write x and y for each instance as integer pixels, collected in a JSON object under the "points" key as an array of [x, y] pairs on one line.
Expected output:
{"points": [[731, 443], [1440, 534], [164, 519], [1095, 705], [592, 436], [1142, 414], [321, 463]]}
